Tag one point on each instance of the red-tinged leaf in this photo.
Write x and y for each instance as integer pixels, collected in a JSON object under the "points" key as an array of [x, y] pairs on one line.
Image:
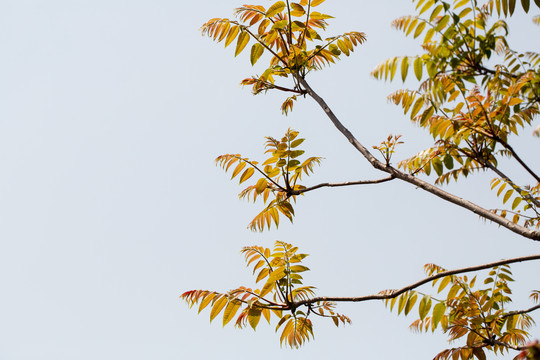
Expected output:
{"points": [[218, 306], [247, 174], [230, 311], [254, 316], [243, 40]]}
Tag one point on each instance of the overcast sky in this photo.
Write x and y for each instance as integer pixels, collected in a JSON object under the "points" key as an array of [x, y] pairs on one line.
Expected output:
{"points": [[111, 113]]}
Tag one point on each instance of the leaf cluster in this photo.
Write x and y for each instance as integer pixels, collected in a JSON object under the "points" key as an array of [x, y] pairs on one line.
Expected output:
{"points": [[279, 181], [279, 271], [291, 33], [478, 315], [472, 111]]}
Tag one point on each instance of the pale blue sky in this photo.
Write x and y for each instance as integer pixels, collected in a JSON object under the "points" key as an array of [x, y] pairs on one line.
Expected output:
{"points": [[111, 113]]}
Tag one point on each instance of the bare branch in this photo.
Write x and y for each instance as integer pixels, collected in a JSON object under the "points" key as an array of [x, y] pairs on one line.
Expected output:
{"points": [[519, 312], [348, 183], [531, 234], [398, 292]]}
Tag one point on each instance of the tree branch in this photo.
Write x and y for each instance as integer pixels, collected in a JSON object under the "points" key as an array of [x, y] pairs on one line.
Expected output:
{"points": [[531, 234], [398, 292], [348, 183], [519, 312]]}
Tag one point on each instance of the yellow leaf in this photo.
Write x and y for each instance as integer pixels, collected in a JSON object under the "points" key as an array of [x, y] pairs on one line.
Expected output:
{"points": [[230, 311], [275, 9], [217, 307], [238, 168], [316, 2], [261, 185], [515, 101], [232, 35], [243, 40], [247, 174]]}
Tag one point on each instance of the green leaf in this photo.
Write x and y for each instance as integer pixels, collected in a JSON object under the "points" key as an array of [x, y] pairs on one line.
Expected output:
{"points": [[424, 307], [438, 311], [404, 68], [418, 68], [448, 161], [254, 316], [516, 202], [437, 165]]}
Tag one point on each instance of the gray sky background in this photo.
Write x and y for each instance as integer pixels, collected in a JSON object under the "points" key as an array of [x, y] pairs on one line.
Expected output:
{"points": [[111, 113]]}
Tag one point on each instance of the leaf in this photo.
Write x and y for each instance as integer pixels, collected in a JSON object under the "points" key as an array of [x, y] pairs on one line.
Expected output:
{"points": [[424, 307], [256, 52], [507, 195], [418, 67], [233, 32], [404, 68], [516, 202], [410, 303], [437, 165], [243, 40], [316, 2], [275, 9], [298, 268], [230, 311], [254, 316], [445, 281], [217, 307], [525, 4], [438, 311], [247, 174], [238, 168]]}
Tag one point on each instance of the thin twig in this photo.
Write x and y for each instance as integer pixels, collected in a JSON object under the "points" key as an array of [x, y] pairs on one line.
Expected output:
{"points": [[396, 293], [348, 183]]}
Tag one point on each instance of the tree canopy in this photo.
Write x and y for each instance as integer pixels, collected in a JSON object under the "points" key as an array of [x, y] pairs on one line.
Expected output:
{"points": [[475, 96]]}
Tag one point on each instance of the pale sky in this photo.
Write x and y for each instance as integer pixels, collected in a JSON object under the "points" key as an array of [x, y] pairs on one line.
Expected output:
{"points": [[111, 113]]}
